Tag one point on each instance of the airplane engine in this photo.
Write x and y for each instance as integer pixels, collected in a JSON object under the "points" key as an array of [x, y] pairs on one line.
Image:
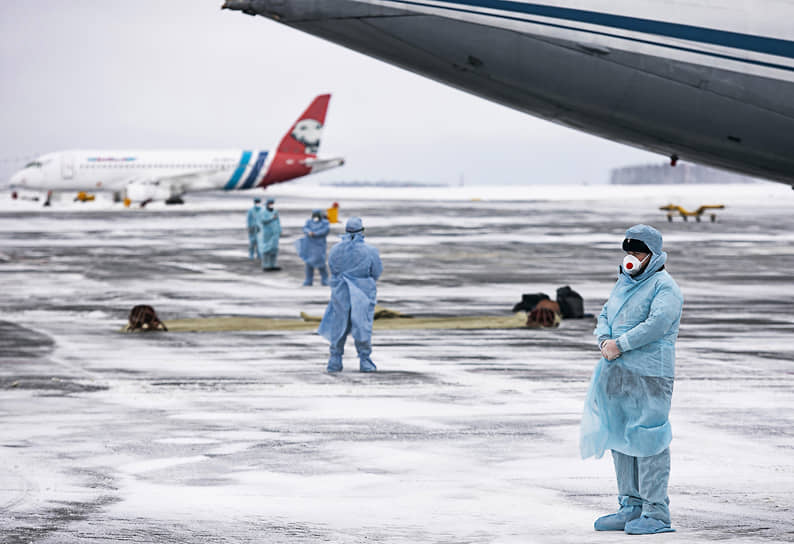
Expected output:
{"points": [[149, 191], [145, 192]]}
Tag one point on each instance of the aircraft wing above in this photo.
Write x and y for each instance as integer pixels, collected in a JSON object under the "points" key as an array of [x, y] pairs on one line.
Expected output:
{"points": [[697, 81]]}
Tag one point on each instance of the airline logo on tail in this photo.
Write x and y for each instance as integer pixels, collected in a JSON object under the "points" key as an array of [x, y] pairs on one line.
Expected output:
{"points": [[308, 132], [304, 136], [297, 153], [295, 156]]}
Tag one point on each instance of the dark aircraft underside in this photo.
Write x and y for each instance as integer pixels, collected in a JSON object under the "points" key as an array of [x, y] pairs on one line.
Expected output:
{"points": [[725, 119]]}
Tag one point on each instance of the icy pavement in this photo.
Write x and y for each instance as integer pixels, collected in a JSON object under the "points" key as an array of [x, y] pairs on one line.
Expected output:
{"points": [[467, 436]]}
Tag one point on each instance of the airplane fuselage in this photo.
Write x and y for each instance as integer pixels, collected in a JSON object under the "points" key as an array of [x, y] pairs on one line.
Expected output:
{"points": [[710, 81], [115, 170], [166, 174]]}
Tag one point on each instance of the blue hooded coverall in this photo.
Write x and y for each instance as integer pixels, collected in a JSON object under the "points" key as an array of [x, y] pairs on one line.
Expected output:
{"points": [[270, 226], [311, 248], [252, 222], [628, 403], [355, 267]]}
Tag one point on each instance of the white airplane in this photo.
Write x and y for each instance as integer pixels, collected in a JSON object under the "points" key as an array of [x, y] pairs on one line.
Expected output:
{"points": [[144, 176], [710, 81]]}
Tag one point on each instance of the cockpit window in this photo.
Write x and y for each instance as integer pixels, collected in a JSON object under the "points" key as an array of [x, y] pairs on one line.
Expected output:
{"points": [[34, 164]]}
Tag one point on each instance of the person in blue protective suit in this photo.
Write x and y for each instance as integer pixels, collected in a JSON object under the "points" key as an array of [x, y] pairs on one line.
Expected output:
{"points": [[628, 403], [355, 267], [270, 232], [252, 222], [311, 248]]}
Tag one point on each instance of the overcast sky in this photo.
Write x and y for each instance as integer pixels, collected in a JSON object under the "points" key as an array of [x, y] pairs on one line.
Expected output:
{"points": [[184, 74]]}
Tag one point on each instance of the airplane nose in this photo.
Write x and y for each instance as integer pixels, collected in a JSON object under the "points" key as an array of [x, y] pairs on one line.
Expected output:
{"points": [[23, 178], [16, 180]]}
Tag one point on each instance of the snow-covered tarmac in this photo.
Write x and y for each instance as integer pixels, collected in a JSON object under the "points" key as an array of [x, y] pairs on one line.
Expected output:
{"points": [[463, 436]]}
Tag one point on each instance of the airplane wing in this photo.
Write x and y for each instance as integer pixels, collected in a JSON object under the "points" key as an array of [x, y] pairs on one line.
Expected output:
{"points": [[689, 80], [163, 187]]}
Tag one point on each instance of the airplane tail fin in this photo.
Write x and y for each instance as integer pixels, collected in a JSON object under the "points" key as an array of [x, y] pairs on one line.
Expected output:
{"points": [[297, 153], [304, 136]]}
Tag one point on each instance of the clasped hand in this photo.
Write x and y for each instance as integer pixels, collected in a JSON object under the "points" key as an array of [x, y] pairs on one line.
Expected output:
{"points": [[610, 350]]}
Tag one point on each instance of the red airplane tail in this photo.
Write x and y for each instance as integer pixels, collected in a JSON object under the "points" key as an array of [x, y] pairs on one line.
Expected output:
{"points": [[296, 154], [304, 136]]}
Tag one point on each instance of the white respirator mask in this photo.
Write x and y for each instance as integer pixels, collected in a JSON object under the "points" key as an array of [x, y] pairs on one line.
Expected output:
{"points": [[632, 264], [315, 219]]}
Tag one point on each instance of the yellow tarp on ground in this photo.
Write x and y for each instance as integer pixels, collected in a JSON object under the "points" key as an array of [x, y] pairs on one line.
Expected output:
{"points": [[386, 320], [223, 324]]}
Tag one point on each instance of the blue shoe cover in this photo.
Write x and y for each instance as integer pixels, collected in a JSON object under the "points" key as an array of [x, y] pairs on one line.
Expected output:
{"points": [[366, 365], [618, 520], [334, 364], [647, 526]]}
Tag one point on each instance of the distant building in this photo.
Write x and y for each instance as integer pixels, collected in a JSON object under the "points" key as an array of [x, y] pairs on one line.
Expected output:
{"points": [[664, 174]]}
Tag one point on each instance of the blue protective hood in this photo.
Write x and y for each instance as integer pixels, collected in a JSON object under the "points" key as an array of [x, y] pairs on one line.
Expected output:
{"points": [[648, 235], [653, 239], [354, 224]]}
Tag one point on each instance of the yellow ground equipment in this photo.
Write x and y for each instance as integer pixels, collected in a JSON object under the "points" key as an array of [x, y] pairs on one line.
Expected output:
{"points": [[686, 214], [82, 196], [332, 213]]}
